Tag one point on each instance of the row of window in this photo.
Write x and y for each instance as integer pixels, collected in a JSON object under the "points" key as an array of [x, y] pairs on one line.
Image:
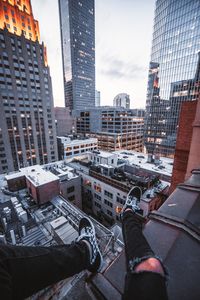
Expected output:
{"points": [[107, 211], [108, 194]]}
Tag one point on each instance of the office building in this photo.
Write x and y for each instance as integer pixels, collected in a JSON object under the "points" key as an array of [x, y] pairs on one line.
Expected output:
{"points": [[97, 98], [173, 58], [69, 147], [122, 100], [77, 23], [27, 125], [115, 127]]}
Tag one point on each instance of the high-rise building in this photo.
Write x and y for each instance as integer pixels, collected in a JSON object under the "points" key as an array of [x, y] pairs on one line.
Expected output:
{"points": [[27, 125], [173, 58], [122, 100], [115, 128], [97, 98], [78, 51]]}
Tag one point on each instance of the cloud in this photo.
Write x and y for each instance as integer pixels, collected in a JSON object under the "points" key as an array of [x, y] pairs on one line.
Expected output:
{"points": [[116, 68]]}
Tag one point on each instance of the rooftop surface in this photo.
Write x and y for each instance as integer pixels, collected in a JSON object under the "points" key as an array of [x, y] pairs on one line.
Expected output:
{"points": [[165, 165], [61, 170], [38, 176], [103, 154], [70, 141]]}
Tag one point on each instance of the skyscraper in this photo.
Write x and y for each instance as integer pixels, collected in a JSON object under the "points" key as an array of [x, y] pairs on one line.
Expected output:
{"points": [[27, 125], [174, 58], [122, 100], [78, 51], [97, 98]]}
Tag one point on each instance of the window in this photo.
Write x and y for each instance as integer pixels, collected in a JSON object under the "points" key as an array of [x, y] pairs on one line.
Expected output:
{"points": [[108, 194], [120, 200], [97, 196], [109, 213], [71, 198], [70, 189], [108, 203], [97, 204]]}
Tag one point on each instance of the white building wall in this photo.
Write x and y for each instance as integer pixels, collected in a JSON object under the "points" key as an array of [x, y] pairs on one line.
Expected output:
{"points": [[118, 195], [73, 148]]}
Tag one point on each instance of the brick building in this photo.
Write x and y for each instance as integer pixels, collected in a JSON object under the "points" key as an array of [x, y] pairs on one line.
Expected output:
{"points": [[183, 143]]}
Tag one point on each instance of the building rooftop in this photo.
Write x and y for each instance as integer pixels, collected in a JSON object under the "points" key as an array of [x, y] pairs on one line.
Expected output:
{"points": [[75, 141], [38, 176], [61, 170], [63, 230], [151, 192], [103, 154], [55, 224], [164, 166]]}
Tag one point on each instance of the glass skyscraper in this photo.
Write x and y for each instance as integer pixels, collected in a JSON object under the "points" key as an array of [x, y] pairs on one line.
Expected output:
{"points": [[77, 22], [174, 57]]}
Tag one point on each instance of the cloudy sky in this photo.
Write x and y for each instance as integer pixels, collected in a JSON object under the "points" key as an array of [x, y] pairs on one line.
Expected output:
{"points": [[123, 44]]}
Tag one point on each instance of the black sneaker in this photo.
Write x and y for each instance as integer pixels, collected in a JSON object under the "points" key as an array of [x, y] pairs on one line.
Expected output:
{"points": [[87, 233], [133, 200]]}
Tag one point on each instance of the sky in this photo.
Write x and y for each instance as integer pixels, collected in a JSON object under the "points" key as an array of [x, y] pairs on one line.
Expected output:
{"points": [[123, 30]]}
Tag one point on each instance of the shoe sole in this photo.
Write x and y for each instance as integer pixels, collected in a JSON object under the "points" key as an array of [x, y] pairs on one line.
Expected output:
{"points": [[86, 222], [135, 192]]}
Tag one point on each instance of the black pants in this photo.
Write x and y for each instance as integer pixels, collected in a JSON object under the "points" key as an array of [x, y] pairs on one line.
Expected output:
{"points": [[144, 285], [26, 270]]}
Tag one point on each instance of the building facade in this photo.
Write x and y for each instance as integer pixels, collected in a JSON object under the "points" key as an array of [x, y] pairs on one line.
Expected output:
{"points": [[115, 128], [184, 138], [173, 58], [69, 148], [27, 125], [97, 98], [105, 184], [122, 100], [77, 23]]}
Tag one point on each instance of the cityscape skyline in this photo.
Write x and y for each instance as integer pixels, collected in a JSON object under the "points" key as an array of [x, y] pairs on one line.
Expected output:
{"points": [[125, 68]]}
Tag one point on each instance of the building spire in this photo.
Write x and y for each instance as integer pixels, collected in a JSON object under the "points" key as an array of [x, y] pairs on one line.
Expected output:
{"points": [[17, 17]]}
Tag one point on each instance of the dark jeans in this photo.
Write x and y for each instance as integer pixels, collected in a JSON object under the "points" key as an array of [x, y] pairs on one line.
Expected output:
{"points": [[144, 285], [26, 270]]}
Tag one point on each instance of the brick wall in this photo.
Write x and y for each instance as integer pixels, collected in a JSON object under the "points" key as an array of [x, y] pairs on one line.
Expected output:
{"points": [[184, 136], [43, 193]]}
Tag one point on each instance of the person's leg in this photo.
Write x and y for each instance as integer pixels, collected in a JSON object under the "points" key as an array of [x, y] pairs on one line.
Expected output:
{"points": [[26, 270], [145, 277]]}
